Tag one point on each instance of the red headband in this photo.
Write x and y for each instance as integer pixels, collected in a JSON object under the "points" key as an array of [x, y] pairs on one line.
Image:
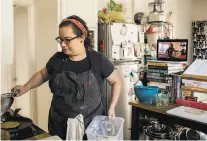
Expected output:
{"points": [[78, 24]]}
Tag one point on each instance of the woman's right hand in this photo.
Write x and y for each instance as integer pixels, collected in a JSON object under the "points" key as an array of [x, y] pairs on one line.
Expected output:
{"points": [[21, 90]]}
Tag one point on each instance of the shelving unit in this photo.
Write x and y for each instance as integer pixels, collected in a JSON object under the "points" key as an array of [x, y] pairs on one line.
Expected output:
{"points": [[165, 29]]}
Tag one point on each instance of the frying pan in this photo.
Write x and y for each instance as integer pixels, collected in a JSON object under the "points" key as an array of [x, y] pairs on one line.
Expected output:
{"points": [[23, 122]]}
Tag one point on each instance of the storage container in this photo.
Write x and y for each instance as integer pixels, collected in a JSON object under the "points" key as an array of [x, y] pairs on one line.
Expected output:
{"points": [[101, 128]]}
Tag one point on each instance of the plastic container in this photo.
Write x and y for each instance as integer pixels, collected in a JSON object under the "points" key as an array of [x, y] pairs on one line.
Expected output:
{"points": [[101, 128], [146, 94]]}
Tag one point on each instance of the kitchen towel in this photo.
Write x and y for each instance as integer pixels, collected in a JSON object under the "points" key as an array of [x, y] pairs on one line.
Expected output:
{"points": [[75, 128]]}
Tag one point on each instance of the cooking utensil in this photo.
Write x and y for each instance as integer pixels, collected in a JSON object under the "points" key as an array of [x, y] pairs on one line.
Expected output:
{"points": [[138, 18], [156, 6], [7, 100], [168, 133], [182, 135], [192, 135], [203, 136]]}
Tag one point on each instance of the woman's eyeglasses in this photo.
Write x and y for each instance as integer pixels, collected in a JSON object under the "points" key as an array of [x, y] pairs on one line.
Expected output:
{"points": [[66, 41]]}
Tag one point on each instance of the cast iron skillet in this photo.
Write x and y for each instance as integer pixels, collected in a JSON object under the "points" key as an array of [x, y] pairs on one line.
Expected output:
{"points": [[23, 122]]}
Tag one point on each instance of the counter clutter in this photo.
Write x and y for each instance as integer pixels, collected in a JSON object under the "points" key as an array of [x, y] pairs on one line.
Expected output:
{"points": [[165, 125]]}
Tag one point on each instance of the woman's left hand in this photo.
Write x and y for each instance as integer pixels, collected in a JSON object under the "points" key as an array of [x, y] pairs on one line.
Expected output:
{"points": [[111, 113]]}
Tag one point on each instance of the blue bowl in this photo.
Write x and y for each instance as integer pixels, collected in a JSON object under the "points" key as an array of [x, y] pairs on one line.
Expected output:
{"points": [[146, 94]]}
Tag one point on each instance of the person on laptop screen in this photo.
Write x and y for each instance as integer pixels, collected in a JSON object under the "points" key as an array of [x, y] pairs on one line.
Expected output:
{"points": [[170, 50]]}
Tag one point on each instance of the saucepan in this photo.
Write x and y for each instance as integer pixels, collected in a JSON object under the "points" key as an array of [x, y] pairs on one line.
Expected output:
{"points": [[189, 134]]}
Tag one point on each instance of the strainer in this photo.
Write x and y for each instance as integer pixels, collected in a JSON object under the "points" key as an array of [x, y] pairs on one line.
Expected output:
{"points": [[6, 101]]}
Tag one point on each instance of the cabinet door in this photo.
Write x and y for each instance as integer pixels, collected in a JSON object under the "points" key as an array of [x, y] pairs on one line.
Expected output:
{"points": [[85, 9]]}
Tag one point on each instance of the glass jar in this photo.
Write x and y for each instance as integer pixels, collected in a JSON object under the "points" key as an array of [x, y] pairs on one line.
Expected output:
{"points": [[162, 100]]}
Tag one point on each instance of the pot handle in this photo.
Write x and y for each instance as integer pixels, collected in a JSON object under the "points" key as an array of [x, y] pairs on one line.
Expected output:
{"points": [[175, 136], [16, 111], [15, 93], [144, 128]]}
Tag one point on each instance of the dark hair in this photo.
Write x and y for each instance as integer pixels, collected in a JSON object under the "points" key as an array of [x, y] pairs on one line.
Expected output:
{"points": [[88, 42]]}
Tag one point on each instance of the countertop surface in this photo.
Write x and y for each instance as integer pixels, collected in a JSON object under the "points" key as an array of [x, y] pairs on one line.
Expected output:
{"points": [[161, 110], [137, 104]]}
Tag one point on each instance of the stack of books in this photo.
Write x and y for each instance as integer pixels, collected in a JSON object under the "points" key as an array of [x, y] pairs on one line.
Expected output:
{"points": [[165, 75], [194, 85]]}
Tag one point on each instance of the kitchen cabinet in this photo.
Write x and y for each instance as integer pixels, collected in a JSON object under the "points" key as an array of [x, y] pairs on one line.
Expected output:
{"points": [[85, 9]]}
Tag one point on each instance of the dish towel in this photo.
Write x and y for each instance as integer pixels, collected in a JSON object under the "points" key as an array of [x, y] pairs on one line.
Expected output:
{"points": [[75, 128]]}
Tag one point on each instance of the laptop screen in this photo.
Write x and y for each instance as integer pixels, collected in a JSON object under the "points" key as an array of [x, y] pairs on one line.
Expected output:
{"points": [[172, 50]]}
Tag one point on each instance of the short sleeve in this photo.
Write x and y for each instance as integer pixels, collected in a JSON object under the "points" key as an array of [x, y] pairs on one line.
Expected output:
{"points": [[54, 62], [106, 67], [50, 65]]}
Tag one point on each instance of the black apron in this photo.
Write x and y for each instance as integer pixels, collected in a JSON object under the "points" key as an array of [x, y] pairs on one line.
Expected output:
{"points": [[73, 94]]}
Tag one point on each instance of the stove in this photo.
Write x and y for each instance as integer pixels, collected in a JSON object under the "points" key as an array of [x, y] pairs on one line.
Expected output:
{"points": [[24, 133]]}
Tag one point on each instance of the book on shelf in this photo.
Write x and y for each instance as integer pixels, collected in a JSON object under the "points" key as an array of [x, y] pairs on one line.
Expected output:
{"points": [[157, 74], [164, 71], [159, 80], [171, 86], [194, 83], [164, 64], [159, 77], [196, 71], [193, 104], [166, 76], [166, 67], [194, 80]]}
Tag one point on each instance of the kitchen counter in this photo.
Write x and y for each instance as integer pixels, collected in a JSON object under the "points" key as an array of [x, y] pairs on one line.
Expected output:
{"points": [[38, 137], [162, 115], [40, 134]]}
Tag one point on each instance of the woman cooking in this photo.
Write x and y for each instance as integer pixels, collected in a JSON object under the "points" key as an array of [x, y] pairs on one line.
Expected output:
{"points": [[75, 76]]}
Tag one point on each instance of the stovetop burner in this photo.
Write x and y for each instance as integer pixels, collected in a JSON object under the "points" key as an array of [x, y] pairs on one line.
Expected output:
{"points": [[23, 134], [26, 129]]}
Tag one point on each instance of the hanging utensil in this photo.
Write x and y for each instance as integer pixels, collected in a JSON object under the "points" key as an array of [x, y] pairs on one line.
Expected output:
{"points": [[7, 100]]}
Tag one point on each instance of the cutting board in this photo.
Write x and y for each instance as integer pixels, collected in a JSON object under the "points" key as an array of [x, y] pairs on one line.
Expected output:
{"points": [[181, 112]]}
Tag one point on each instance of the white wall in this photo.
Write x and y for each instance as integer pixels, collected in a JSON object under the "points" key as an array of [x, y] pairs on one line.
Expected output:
{"points": [[46, 31], [199, 9], [21, 55], [7, 52]]}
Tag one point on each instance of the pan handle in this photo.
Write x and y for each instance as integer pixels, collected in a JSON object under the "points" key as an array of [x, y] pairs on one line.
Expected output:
{"points": [[15, 93], [16, 111]]}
